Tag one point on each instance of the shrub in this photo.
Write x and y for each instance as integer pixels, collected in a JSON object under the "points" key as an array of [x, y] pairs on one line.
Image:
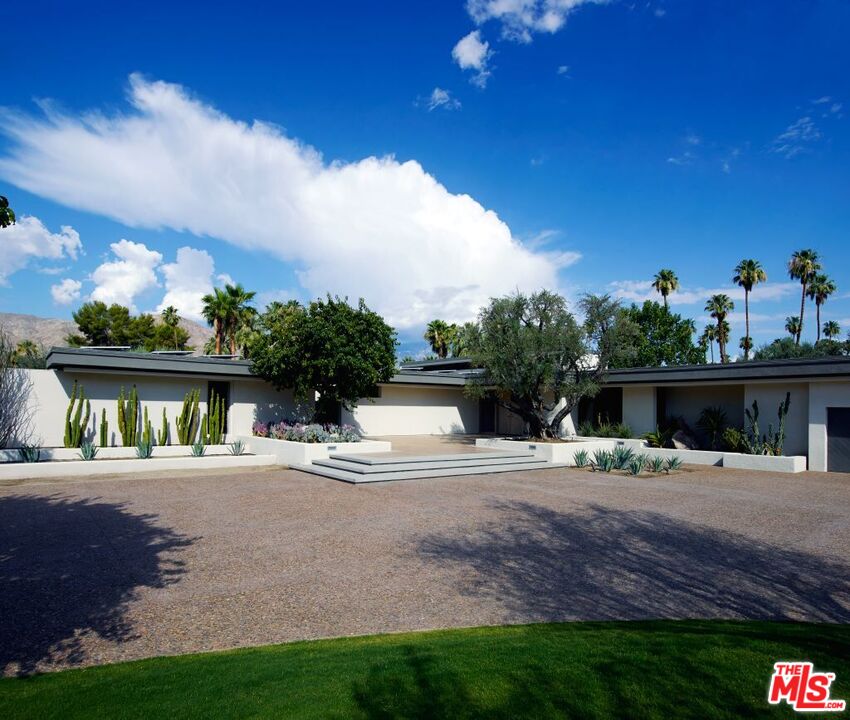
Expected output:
{"points": [[604, 429], [581, 458], [735, 440], [88, 450], [622, 457], [603, 461], [312, 433], [30, 453], [260, 429], [672, 463], [712, 422], [655, 464]]}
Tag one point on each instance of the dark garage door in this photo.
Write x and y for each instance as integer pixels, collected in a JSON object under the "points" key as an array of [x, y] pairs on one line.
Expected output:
{"points": [[838, 439]]}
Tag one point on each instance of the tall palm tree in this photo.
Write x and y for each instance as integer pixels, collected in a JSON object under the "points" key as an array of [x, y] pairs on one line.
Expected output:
{"points": [[709, 335], [665, 282], [719, 306], [820, 288], [803, 266], [792, 326], [831, 329], [171, 318], [748, 274], [217, 311], [439, 335], [241, 312], [746, 344]]}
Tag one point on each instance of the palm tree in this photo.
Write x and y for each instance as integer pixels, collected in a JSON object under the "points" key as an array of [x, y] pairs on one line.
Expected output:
{"points": [[803, 266], [746, 344], [719, 306], [439, 335], [665, 282], [831, 329], [792, 326], [820, 288], [217, 311], [748, 274], [171, 318], [709, 335], [241, 314], [25, 350]]}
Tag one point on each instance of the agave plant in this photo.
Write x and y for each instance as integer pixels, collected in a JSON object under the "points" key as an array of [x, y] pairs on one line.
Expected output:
{"points": [[237, 447], [198, 449], [655, 464], [636, 464], [88, 450], [30, 453], [144, 449], [622, 456], [672, 463], [603, 461], [581, 458]]}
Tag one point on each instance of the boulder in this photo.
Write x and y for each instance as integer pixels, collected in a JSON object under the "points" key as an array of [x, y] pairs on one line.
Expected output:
{"points": [[684, 441]]}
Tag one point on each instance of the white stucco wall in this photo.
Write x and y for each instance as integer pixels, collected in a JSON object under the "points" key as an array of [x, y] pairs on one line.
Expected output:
{"points": [[639, 409], [823, 395], [409, 410], [769, 396], [51, 391]]}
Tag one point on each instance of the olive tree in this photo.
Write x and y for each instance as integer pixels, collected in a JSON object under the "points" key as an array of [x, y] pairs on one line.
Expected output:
{"points": [[539, 360]]}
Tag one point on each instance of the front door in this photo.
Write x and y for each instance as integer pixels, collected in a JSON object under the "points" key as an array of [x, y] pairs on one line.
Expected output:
{"points": [[486, 415], [838, 439]]}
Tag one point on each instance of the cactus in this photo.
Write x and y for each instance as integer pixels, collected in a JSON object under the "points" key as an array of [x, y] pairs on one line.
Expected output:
{"points": [[215, 420], [104, 429], [162, 435], [75, 421], [771, 442], [204, 437], [147, 429], [187, 421], [128, 417]]}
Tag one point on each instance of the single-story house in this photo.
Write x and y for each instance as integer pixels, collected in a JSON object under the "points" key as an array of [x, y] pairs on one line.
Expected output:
{"points": [[428, 397]]}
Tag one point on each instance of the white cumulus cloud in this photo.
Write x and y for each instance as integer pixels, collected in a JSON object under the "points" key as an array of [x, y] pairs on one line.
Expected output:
{"points": [[131, 273], [187, 280], [378, 228], [473, 53], [520, 19], [28, 238], [66, 291], [440, 98]]}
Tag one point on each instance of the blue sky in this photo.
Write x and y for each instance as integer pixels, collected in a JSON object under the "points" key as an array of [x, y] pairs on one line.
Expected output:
{"points": [[423, 155]]}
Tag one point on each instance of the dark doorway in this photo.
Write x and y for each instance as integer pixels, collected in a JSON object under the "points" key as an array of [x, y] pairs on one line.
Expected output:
{"points": [[606, 406], [486, 415], [838, 439], [222, 390]]}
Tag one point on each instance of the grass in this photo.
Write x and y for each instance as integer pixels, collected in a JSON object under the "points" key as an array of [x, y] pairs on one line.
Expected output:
{"points": [[659, 669]]}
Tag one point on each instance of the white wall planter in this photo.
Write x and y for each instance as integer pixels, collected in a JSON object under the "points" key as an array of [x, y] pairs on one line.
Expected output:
{"points": [[83, 468], [113, 453], [555, 452], [288, 452]]}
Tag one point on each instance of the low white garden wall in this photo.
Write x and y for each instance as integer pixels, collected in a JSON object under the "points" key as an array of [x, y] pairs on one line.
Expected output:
{"points": [[288, 452], [114, 453], [564, 453], [83, 468]]}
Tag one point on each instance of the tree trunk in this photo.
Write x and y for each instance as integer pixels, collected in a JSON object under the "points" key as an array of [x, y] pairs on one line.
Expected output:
{"points": [[217, 330], [721, 342], [747, 323], [664, 295], [817, 305], [802, 310], [711, 346]]}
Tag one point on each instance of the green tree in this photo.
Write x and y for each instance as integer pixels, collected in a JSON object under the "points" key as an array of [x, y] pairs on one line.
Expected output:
{"points": [[665, 282], [341, 352], [709, 335], [171, 319], [831, 329], [719, 306], [7, 215], [787, 349], [792, 327], [665, 338], [102, 325], [441, 336], [748, 274], [746, 344], [216, 311], [819, 290], [538, 357], [803, 266], [241, 314]]}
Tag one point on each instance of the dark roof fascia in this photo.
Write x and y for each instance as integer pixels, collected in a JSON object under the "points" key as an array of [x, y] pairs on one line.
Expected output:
{"points": [[439, 364], [417, 377], [805, 369], [144, 363]]}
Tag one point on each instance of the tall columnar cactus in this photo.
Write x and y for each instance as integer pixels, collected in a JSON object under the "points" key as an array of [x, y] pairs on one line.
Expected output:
{"points": [[147, 430], [771, 442], [204, 438], [215, 420], [104, 429], [128, 417], [187, 421], [75, 422], [162, 435]]}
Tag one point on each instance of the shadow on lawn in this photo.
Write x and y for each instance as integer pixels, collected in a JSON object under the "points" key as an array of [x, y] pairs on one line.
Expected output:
{"points": [[69, 568], [604, 564]]}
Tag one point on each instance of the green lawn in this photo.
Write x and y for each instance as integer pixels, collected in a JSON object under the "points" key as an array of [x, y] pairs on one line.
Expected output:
{"points": [[696, 669]]}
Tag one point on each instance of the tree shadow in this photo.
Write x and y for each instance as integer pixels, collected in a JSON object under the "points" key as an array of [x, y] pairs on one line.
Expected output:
{"points": [[68, 569], [606, 564]]}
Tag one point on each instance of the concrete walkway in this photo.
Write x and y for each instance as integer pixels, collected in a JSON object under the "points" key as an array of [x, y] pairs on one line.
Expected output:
{"points": [[107, 570]]}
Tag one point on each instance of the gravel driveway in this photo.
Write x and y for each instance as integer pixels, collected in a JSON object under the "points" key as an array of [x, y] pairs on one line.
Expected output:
{"points": [[116, 569]]}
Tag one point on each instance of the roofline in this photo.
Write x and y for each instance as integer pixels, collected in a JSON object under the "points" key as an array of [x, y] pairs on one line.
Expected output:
{"points": [[418, 377]]}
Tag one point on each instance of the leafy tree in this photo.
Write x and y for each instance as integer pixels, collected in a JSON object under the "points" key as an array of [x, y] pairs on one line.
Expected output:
{"points": [[7, 215], [461, 338], [440, 336], [719, 306], [792, 327], [748, 274], [803, 266], [535, 354], [665, 338], [831, 329], [665, 282], [99, 324], [28, 355], [787, 349], [819, 290], [329, 347]]}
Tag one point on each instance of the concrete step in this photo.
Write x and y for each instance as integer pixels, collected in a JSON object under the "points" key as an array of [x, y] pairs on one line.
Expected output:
{"points": [[470, 457], [421, 472], [433, 463]]}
